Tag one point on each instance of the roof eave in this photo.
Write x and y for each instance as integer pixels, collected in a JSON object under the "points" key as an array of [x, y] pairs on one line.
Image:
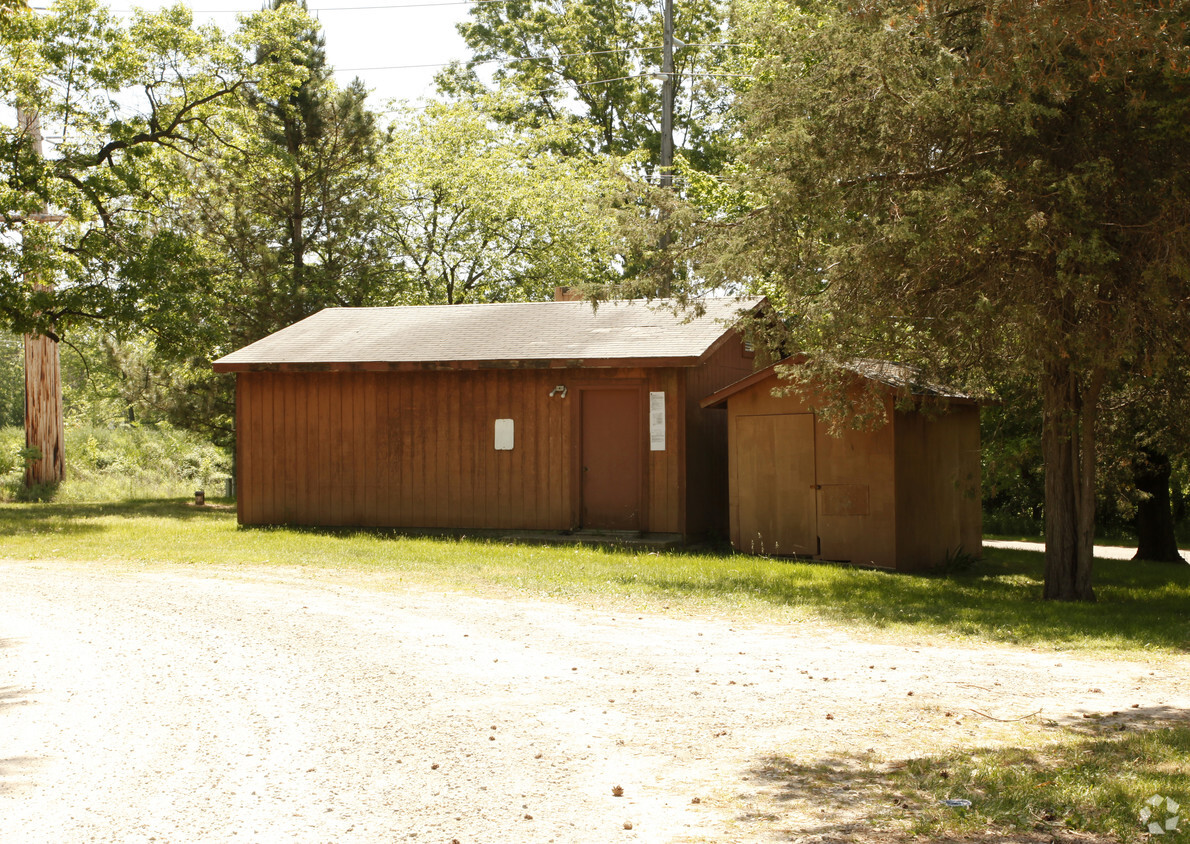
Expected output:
{"points": [[719, 399], [462, 365]]}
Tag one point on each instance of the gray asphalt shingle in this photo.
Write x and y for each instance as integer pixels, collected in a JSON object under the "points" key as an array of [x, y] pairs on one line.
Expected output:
{"points": [[532, 331]]}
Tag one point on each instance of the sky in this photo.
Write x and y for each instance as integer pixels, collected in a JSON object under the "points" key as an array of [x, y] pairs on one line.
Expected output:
{"points": [[376, 40]]}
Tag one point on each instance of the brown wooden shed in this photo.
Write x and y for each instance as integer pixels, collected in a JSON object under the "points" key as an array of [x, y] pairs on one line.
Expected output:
{"points": [[903, 496], [537, 416]]}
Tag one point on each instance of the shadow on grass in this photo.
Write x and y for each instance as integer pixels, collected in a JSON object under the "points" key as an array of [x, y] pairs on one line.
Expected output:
{"points": [[1084, 785], [75, 518], [998, 598]]}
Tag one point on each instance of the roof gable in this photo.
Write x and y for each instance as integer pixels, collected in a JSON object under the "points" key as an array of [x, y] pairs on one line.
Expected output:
{"points": [[891, 376], [495, 335]]}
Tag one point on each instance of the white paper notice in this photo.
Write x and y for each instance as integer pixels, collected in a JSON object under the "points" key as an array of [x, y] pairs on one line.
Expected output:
{"points": [[657, 421], [504, 435]]}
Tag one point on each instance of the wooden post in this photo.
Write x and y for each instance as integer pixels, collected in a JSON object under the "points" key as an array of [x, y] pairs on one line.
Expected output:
{"points": [[43, 379]]}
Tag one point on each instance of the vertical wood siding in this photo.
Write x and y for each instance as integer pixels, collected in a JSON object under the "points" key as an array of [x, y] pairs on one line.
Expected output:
{"points": [[939, 509], [902, 496], [416, 449], [856, 459]]}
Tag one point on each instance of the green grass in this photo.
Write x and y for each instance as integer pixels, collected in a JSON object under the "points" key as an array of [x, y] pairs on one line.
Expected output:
{"points": [[1094, 781], [107, 463], [1142, 607], [1096, 784]]}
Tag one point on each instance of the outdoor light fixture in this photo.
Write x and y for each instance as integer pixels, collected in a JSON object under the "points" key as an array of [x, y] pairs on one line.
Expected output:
{"points": [[561, 388]]}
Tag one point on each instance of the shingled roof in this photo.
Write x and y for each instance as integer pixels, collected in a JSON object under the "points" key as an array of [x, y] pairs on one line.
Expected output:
{"points": [[532, 334]]}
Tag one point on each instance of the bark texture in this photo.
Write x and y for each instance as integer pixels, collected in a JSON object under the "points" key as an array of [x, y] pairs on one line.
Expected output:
{"points": [[1154, 514], [1068, 447], [43, 380], [43, 410]]}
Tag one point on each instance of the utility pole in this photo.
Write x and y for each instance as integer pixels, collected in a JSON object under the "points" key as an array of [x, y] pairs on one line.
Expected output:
{"points": [[665, 165], [667, 95], [43, 377]]}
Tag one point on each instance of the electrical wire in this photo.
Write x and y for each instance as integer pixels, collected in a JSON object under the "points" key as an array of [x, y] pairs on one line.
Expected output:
{"points": [[198, 12], [513, 59]]}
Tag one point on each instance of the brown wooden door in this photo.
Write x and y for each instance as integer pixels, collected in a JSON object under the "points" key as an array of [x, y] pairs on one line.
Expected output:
{"points": [[775, 477], [612, 454]]}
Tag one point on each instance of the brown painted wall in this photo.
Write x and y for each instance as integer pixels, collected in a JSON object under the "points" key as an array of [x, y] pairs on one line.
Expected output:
{"points": [[856, 503], [416, 449], [938, 484]]}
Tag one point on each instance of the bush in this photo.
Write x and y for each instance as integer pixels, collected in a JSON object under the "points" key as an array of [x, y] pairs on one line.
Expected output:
{"points": [[120, 462]]}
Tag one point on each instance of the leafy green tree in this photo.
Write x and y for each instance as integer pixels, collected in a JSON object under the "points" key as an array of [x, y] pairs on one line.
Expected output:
{"points": [[1146, 425], [115, 100], [989, 190], [479, 212], [12, 380], [286, 213], [594, 62], [285, 206]]}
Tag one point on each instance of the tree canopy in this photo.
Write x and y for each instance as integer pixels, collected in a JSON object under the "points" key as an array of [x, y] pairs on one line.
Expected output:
{"points": [[987, 190], [479, 212], [116, 101], [595, 63]]}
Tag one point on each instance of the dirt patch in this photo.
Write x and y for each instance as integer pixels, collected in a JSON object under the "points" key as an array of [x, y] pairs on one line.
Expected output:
{"points": [[177, 704]]}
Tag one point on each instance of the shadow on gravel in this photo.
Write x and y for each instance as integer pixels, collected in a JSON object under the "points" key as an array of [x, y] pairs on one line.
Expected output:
{"points": [[15, 771], [1089, 783], [13, 696]]}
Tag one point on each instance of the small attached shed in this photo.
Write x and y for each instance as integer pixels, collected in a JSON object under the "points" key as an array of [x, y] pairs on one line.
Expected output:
{"points": [[548, 416], [903, 496]]}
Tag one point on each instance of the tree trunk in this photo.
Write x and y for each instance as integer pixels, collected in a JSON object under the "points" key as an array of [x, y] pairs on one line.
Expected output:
{"points": [[43, 381], [1154, 515], [43, 410], [1068, 449]]}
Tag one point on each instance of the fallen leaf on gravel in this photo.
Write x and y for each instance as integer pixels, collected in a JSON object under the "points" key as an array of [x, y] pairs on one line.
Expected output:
{"points": [[830, 717], [617, 791], [434, 767], [696, 800], [528, 817], [539, 755], [627, 824]]}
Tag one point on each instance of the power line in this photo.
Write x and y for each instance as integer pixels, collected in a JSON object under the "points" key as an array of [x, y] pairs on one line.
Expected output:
{"points": [[498, 61], [533, 58], [319, 10]]}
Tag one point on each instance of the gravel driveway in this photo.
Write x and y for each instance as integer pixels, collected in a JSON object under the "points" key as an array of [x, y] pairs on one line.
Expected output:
{"points": [[182, 704]]}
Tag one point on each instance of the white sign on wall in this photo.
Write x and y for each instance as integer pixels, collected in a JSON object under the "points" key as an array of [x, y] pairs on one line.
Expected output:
{"points": [[657, 421], [504, 435]]}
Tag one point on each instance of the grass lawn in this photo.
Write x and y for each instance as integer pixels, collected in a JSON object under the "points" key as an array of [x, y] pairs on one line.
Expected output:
{"points": [[1095, 781], [1143, 607]]}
